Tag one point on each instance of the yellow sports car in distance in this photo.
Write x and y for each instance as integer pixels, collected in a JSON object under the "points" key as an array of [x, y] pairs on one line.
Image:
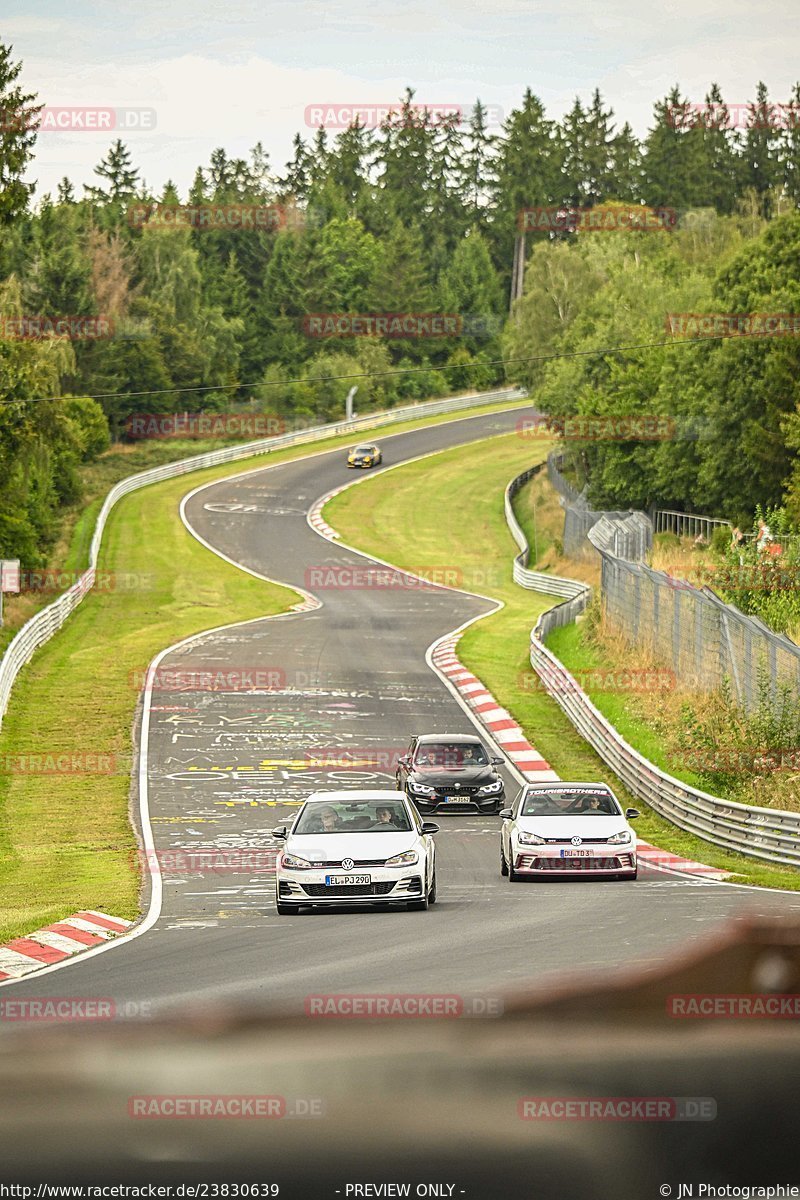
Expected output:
{"points": [[364, 456]]}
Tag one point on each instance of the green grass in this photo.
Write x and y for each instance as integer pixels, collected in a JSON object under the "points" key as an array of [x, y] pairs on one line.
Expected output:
{"points": [[65, 840], [415, 516], [578, 654], [76, 523]]}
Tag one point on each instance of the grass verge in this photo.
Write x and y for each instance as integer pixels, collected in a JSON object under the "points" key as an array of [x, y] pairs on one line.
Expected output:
{"points": [[65, 840], [415, 515], [70, 553]]}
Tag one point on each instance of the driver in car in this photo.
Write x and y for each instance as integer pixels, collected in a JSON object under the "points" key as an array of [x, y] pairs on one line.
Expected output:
{"points": [[588, 804], [330, 820], [384, 816]]}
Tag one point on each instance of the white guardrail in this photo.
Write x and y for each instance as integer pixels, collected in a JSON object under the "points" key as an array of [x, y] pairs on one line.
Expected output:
{"points": [[41, 627], [765, 833]]}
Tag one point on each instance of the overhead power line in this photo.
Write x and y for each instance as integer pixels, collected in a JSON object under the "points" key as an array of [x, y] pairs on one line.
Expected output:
{"points": [[469, 366]]}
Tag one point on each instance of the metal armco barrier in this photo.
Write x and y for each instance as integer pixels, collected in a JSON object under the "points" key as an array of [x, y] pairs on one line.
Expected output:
{"points": [[41, 627], [538, 581], [765, 833]]}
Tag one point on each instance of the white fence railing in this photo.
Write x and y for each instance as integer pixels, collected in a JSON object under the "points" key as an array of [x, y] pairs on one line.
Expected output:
{"points": [[764, 833], [41, 627]]}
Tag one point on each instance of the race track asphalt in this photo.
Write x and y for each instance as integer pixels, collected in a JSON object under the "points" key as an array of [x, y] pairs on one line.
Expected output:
{"points": [[228, 764]]}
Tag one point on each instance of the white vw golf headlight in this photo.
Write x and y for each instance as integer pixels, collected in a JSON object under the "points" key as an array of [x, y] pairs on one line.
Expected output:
{"points": [[294, 863], [619, 839], [530, 839], [406, 859]]}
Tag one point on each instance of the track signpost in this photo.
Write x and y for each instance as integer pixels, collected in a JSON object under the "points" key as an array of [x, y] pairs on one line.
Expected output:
{"points": [[9, 579]]}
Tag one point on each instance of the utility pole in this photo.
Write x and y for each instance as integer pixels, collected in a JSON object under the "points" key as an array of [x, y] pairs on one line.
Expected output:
{"points": [[517, 271]]}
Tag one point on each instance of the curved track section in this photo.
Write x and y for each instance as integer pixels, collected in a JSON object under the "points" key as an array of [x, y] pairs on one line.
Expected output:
{"points": [[269, 710]]}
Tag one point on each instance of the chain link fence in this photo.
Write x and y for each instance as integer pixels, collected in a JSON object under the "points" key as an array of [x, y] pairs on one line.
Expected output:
{"points": [[627, 534], [703, 639]]}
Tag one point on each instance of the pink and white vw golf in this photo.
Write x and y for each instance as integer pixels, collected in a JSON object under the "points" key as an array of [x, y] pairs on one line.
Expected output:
{"points": [[567, 829]]}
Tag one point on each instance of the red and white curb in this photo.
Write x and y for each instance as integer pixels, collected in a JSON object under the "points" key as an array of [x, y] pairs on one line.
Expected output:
{"points": [[57, 942], [653, 857], [502, 726], [307, 605], [316, 519]]}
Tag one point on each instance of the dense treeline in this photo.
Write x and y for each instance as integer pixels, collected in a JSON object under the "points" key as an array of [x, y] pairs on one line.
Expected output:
{"points": [[420, 216], [714, 424]]}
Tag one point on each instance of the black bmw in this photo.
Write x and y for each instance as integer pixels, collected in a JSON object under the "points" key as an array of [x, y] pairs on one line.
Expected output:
{"points": [[451, 772]]}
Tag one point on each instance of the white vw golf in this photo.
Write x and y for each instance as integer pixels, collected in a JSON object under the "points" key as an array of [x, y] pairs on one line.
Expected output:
{"points": [[567, 829], [359, 847]]}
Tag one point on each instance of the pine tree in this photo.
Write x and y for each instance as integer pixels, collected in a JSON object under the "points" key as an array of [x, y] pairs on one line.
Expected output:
{"points": [[720, 154], [527, 172], [790, 147], [121, 178], [58, 276], [296, 182], [18, 120], [625, 182], [674, 156], [761, 165], [66, 192], [406, 164], [474, 168]]}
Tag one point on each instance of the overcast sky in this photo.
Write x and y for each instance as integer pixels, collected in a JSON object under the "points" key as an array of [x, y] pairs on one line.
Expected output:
{"points": [[228, 74]]}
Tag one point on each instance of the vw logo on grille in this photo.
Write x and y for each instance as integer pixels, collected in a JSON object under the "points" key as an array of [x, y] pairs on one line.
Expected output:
{"points": [[576, 841], [348, 864]]}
